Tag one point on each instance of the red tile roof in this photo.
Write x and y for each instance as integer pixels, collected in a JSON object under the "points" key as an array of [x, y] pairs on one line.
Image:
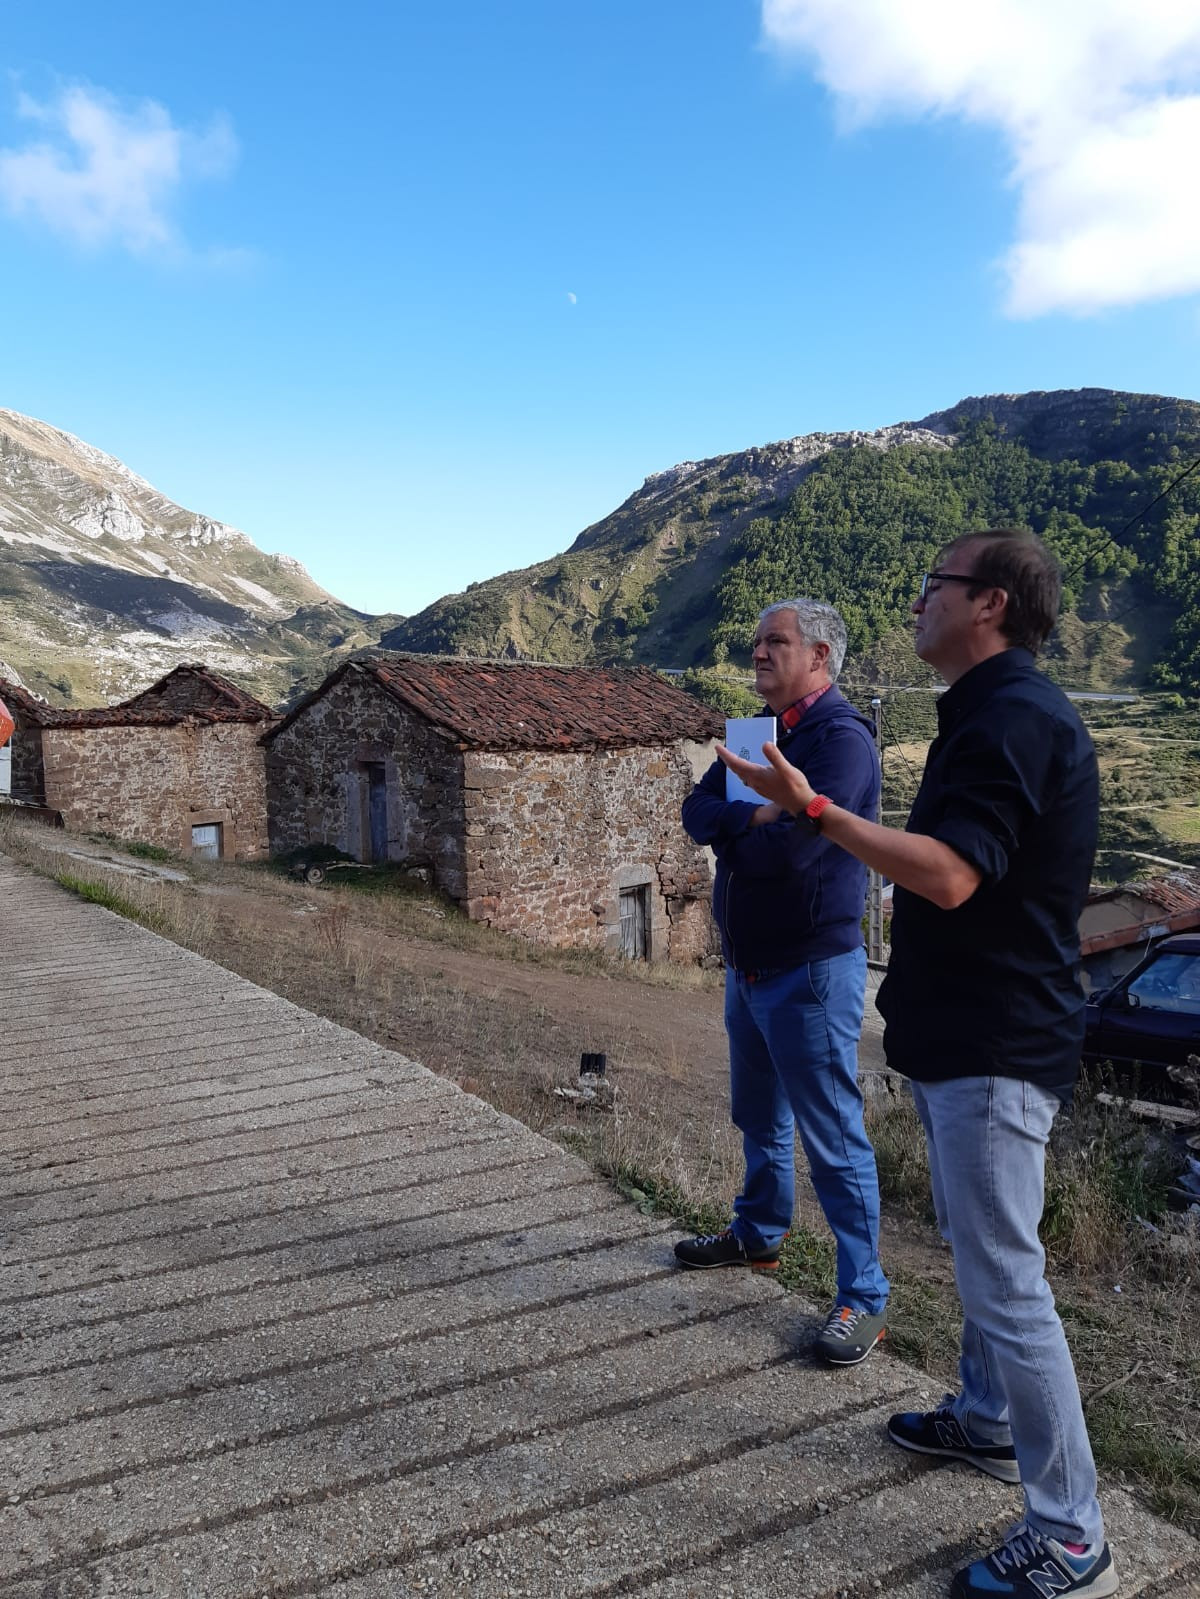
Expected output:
{"points": [[1176, 898], [227, 704], [1178, 891], [24, 705], [525, 705]]}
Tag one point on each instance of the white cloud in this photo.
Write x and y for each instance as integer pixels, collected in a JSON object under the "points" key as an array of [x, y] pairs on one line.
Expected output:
{"points": [[1098, 100], [100, 174], [572, 299]]}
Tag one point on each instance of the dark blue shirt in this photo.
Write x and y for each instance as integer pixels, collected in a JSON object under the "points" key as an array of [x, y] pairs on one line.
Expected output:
{"points": [[782, 894], [992, 987]]}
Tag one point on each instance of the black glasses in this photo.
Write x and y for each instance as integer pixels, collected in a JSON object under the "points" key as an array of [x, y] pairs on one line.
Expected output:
{"points": [[942, 577]]}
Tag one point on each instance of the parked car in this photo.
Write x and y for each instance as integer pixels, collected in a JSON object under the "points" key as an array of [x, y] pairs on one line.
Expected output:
{"points": [[1150, 1019]]}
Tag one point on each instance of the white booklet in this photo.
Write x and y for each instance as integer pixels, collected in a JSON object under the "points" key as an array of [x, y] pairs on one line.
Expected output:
{"points": [[745, 736]]}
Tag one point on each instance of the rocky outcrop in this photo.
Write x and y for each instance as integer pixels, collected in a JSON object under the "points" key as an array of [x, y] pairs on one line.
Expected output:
{"points": [[1060, 423], [107, 583]]}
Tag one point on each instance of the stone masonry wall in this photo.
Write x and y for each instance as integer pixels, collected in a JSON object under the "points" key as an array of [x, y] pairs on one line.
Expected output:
{"points": [[179, 693], [228, 775], [552, 838], [153, 784], [317, 781]]}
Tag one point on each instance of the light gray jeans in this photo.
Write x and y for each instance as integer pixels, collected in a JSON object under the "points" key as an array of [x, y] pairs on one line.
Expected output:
{"points": [[987, 1159]]}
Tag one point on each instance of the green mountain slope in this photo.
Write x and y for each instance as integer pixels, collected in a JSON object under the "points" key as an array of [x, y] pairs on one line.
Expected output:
{"points": [[677, 575]]}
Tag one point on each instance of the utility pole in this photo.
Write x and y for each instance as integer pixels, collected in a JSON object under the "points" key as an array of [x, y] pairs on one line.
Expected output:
{"points": [[874, 878]]}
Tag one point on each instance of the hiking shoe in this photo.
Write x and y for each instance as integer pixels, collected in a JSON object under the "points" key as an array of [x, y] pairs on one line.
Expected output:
{"points": [[724, 1249], [938, 1432], [849, 1336], [1029, 1565]]}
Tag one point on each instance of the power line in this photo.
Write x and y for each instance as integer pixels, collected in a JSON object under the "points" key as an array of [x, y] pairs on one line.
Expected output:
{"points": [[899, 748], [1111, 538]]}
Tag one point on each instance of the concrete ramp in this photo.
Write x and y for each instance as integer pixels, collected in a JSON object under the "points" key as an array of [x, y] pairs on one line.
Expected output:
{"points": [[282, 1313]]}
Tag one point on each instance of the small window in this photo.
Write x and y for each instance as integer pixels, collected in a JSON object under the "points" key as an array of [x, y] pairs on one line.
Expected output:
{"points": [[635, 922], [206, 841]]}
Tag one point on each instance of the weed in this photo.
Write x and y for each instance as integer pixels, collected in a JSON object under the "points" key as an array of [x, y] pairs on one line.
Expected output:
{"points": [[333, 927], [135, 847], [1162, 1457], [900, 1156], [924, 1324], [102, 893], [1103, 1172]]}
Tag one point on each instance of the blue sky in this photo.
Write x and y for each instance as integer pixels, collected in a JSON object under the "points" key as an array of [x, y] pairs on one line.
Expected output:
{"points": [[415, 293]]}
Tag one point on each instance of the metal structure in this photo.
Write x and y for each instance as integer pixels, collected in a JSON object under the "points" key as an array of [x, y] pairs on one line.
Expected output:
{"points": [[875, 954]]}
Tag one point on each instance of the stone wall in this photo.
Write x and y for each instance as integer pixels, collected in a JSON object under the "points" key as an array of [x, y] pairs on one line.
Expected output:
{"points": [[154, 784], [553, 838], [317, 781], [180, 692]]}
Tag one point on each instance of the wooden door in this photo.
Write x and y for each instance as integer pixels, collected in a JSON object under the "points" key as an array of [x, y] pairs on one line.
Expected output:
{"points": [[635, 922]]}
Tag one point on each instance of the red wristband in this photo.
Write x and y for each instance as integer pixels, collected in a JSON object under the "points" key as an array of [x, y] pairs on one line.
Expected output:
{"points": [[813, 809]]}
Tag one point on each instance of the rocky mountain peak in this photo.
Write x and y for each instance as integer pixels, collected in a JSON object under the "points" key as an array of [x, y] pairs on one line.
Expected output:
{"points": [[109, 583]]}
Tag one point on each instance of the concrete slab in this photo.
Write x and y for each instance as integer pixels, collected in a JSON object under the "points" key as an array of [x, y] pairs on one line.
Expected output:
{"points": [[284, 1314]]}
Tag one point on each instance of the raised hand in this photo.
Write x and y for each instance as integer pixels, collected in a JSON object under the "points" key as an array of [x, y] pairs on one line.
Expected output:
{"points": [[779, 782]]}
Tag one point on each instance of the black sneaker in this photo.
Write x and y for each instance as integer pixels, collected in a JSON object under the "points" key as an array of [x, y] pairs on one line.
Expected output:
{"points": [[1029, 1565], [849, 1335], [938, 1432], [724, 1249]]}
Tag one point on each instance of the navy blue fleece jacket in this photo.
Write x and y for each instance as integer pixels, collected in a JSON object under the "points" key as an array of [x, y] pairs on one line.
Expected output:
{"points": [[784, 895]]}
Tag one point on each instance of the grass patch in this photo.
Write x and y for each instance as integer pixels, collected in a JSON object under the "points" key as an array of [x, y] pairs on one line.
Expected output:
{"points": [[135, 847], [98, 892], [1161, 1457], [924, 1322], [807, 1260], [1179, 824], [1104, 1173], [895, 1130]]}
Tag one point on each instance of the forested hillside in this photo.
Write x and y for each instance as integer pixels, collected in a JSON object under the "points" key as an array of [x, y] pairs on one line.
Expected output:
{"points": [[864, 525], [677, 575]]}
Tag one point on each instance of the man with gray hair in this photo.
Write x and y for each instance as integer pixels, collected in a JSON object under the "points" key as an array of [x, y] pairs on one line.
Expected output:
{"points": [[789, 908]]}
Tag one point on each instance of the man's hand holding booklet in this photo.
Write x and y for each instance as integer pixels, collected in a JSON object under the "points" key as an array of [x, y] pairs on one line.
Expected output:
{"points": [[745, 736]]}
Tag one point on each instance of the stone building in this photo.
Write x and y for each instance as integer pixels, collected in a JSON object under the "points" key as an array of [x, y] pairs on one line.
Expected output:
{"points": [[179, 765], [543, 799]]}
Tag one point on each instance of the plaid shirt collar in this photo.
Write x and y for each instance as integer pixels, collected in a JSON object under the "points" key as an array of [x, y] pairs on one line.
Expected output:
{"points": [[794, 712]]}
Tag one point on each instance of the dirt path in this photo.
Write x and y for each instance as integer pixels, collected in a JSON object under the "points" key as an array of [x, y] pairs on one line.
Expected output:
{"points": [[451, 1001]]}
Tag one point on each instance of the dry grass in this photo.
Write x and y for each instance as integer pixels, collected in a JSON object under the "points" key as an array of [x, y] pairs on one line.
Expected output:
{"points": [[1126, 1272], [1179, 823]]}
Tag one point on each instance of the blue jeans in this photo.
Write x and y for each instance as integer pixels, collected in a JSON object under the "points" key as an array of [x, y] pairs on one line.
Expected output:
{"points": [[793, 1067], [987, 1159]]}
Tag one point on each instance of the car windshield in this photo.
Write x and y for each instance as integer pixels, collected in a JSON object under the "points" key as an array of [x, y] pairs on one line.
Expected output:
{"points": [[1172, 982]]}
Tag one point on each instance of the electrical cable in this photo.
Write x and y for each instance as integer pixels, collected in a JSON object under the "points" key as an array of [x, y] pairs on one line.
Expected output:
{"points": [[899, 748], [1111, 538]]}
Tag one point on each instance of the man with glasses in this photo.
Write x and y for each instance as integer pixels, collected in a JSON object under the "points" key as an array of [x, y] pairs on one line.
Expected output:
{"points": [[984, 1013], [789, 906]]}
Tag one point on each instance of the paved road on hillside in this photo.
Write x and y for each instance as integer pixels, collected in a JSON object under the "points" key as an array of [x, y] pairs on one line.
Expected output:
{"points": [[285, 1314]]}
